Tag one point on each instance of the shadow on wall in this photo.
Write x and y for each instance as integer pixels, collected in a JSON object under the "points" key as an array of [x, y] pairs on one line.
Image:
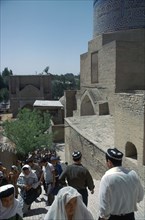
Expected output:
{"points": [[87, 107]]}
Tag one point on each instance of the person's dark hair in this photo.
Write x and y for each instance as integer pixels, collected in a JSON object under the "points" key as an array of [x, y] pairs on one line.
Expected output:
{"points": [[76, 159], [29, 160], [25, 168], [43, 160], [115, 163], [6, 190]]}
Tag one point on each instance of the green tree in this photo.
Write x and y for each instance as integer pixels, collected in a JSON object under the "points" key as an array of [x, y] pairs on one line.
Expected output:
{"points": [[57, 89], [4, 94], [29, 131], [5, 75], [1, 82], [46, 70], [4, 84], [61, 82]]}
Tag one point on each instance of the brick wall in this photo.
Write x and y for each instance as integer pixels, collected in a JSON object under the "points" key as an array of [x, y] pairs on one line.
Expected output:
{"points": [[93, 155], [129, 126]]}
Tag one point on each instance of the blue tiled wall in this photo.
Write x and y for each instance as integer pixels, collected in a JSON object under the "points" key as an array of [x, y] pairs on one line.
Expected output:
{"points": [[115, 15]]}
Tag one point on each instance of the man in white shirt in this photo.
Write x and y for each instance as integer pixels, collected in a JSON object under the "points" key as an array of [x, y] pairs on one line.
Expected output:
{"points": [[120, 189], [48, 176]]}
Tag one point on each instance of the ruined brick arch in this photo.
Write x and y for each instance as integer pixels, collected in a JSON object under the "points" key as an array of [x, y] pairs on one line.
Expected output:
{"points": [[130, 150], [87, 107]]}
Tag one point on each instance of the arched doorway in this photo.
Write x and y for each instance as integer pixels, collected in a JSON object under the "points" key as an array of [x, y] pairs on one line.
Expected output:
{"points": [[29, 106], [130, 150], [87, 107]]}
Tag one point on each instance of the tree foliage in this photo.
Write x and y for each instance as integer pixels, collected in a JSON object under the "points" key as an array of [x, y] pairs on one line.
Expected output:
{"points": [[29, 131], [60, 83], [4, 84], [4, 94], [5, 75]]}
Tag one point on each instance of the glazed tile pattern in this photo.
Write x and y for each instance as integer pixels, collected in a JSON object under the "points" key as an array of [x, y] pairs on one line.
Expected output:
{"points": [[116, 15]]}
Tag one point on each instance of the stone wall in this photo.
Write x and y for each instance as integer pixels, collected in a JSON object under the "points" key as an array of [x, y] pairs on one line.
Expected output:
{"points": [[129, 122], [129, 128], [130, 66], [58, 131], [8, 158], [70, 102], [85, 69], [107, 65], [93, 158]]}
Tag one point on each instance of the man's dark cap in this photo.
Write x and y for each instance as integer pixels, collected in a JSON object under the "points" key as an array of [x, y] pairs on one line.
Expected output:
{"points": [[53, 158], [114, 153], [76, 155], [6, 190]]}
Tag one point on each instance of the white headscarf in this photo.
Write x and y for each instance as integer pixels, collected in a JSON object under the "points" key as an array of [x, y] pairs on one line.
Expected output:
{"points": [[6, 213], [57, 209], [31, 174]]}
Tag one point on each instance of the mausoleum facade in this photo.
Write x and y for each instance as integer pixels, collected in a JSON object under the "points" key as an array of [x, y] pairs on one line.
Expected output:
{"points": [[112, 84]]}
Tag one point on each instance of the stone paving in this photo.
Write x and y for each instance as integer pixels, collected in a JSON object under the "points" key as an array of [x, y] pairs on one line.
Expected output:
{"points": [[39, 208]]}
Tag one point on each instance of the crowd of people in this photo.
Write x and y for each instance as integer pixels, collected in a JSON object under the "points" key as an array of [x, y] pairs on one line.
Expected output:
{"points": [[29, 176], [66, 187]]}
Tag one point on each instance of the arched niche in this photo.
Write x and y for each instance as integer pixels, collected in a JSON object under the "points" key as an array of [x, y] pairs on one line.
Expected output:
{"points": [[29, 89], [29, 106], [87, 107], [130, 150]]}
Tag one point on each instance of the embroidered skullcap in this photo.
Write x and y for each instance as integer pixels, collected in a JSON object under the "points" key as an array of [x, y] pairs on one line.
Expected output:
{"points": [[6, 190], [76, 155], [14, 167], [114, 153]]}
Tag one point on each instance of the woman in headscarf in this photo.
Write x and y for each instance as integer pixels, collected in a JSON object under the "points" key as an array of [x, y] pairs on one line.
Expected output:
{"points": [[9, 206], [68, 205], [28, 183]]}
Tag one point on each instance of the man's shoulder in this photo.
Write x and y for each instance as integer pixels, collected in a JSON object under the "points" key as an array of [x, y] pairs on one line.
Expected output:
{"points": [[50, 166], [70, 166], [77, 166]]}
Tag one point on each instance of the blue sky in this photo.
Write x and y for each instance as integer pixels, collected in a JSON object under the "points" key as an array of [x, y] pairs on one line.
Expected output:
{"points": [[39, 33]]}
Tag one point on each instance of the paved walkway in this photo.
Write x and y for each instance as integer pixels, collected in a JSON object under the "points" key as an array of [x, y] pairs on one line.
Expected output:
{"points": [[39, 208]]}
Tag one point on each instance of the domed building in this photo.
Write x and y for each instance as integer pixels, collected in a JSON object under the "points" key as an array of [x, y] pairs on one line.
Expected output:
{"points": [[109, 108], [111, 15]]}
